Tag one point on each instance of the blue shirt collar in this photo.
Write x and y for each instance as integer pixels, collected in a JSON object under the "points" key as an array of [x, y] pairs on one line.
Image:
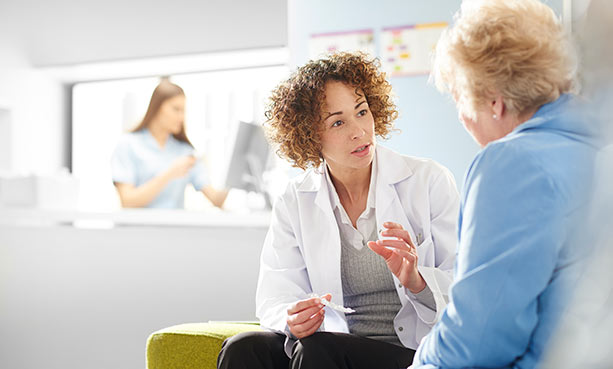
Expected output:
{"points": [[542, 114]]}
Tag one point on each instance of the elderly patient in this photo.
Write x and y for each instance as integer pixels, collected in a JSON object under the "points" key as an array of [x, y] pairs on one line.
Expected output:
{"points": [[510, 70]]}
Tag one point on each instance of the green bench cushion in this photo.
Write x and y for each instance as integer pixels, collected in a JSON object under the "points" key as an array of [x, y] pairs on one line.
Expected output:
{"points": [[192, 345]]}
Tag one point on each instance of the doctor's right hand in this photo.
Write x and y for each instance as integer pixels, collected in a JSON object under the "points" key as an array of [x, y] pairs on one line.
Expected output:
{"points": [[181, 166], [305, 316]]}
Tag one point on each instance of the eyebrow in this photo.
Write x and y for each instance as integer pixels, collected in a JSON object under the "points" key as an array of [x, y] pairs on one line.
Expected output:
{"points": [[340, 112]]}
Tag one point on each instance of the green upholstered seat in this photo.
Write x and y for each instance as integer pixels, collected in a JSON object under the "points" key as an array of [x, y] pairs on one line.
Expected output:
{"points": [[192, 345]]}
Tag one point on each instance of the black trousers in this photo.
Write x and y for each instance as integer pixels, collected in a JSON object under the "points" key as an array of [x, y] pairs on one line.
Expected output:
{"points": [[265, 350]]}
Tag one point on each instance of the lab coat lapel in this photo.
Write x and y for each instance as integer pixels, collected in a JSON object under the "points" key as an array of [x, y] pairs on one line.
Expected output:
{"points": [[321, 237], [391, 169]]}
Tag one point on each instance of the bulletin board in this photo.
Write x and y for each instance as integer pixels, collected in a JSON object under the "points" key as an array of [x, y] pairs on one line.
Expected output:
{"points": [[323, 44], [407, 50]]}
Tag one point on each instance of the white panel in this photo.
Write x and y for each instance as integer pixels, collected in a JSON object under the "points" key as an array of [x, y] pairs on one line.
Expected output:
{"points": [[6, 135], [59, 32]]}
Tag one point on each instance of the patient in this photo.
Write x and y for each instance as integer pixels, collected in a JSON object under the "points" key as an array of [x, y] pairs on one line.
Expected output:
{"points": [[511, 71]]}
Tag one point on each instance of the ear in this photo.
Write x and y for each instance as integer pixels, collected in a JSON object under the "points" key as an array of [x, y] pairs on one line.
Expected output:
{"points": [[498, 107]]}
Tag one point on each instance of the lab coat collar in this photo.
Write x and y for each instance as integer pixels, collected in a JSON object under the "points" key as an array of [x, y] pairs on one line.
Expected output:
{"points": [[391, 169]]}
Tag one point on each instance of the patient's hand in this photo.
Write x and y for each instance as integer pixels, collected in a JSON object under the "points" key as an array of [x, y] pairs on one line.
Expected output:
{"points": [[305, 316]]}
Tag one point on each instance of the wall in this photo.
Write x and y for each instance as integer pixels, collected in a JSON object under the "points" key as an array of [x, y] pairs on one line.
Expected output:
{"points": [[428, 120], [57, 32], [88, 299], [35, 115]]}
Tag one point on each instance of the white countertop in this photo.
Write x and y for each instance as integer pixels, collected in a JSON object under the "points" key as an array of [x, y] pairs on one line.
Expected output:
{"points": [[134, 217]]}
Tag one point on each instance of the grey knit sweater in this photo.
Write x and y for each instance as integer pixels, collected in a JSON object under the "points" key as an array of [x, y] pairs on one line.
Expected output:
{"points": [[368, 288]]}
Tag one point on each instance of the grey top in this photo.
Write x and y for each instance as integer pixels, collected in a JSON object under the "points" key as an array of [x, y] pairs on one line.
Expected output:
{"points": [[368, 286]]}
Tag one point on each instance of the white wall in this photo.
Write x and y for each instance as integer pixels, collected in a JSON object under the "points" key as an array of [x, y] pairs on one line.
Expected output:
{"points": [[55, 32], [88, 299], [35, 114]]}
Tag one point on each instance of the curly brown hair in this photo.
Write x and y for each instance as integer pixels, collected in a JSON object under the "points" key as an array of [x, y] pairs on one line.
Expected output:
{"points": [[294, 113]]}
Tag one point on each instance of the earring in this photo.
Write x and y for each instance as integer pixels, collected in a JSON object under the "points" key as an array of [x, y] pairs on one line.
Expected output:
{"points": [[495, 117]]}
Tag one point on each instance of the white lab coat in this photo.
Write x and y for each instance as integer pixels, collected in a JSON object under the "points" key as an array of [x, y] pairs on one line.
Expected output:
{"points": [[302, 250]]}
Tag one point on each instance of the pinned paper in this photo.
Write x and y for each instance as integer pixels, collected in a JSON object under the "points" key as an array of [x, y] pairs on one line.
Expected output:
{"points": [[407, 50]]}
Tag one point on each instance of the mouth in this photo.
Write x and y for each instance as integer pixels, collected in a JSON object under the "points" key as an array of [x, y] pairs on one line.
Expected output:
{"points": [[361, 150]]}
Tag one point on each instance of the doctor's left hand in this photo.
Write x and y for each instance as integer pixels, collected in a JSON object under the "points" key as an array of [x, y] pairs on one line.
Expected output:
{"points": [[400, 255]]}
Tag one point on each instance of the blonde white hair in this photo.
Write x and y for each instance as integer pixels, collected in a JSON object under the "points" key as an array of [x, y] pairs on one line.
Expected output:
{"points": [[515, 48]]}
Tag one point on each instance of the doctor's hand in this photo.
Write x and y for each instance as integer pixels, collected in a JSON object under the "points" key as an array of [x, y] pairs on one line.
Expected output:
{"points": [[181, 166], [305, 316], [400, 255]]}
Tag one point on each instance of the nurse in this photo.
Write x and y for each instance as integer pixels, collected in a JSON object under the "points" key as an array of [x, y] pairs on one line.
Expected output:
{"points": [[364, 227], [152, 165], [522, 241]]}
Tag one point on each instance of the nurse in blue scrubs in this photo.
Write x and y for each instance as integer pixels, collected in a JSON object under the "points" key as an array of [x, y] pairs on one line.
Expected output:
{"points": [[152, 165]]}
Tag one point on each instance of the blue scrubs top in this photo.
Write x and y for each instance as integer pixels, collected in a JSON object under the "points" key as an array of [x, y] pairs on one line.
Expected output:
{"points": [[138, 158], [523, 202]]}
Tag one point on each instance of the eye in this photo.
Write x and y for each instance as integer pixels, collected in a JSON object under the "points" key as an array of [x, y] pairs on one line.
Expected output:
{"points": [[337, 123], [362, 112]]}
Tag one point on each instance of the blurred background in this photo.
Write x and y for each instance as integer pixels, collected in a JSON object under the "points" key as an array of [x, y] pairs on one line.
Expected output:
{"points": [[84, 282]]}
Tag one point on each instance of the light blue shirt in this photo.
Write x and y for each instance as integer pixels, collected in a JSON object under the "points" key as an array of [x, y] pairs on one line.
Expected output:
{"points": [[520, 248], [138, 158]]}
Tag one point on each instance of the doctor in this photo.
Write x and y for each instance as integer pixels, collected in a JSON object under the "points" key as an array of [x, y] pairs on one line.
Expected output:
{"points": [[365, 227]]}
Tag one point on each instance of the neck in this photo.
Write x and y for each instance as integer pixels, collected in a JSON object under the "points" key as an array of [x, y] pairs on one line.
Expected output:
{"points": [[516, 120], [351, 185], [525, 116], [509, 123], [160, 135]]}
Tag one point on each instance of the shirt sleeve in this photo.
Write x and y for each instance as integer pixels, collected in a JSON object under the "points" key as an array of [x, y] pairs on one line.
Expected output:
{"points": [[426, 297], [198, 175], [123, 166], [509, 237]]}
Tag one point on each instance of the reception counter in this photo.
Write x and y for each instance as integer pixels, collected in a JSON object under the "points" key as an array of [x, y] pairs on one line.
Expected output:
{"points": [[84, 290]]}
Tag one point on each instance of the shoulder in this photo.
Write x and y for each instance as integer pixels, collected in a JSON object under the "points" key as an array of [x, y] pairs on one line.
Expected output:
{"points": [[307, 181], [181, 147], [507, 169], [499, 157], [130, 139], [127, 142], [411, 168]]}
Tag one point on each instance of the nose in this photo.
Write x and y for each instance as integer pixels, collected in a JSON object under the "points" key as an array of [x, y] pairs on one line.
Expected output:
{"points": [[357, 132]]}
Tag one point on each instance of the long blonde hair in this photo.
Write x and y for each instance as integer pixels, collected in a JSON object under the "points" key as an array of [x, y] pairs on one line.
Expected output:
{"points": [[164, 90]]}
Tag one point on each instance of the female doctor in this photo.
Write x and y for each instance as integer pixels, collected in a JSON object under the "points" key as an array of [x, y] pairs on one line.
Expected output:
{"points": [[365, 227]]}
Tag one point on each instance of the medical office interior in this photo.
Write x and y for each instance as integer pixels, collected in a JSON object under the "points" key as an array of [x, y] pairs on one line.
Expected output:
{"points": [[83, 282]]}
